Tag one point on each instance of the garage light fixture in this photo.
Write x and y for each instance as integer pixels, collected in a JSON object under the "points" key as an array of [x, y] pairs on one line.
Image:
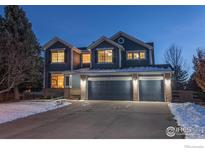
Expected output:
{"points": [[167, 82]]}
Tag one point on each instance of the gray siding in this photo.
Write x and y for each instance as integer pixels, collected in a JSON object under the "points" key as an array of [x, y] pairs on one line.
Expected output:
{"points": [[76, 60], [75, 81], [94, 59], [131, 46], [56, 67]]}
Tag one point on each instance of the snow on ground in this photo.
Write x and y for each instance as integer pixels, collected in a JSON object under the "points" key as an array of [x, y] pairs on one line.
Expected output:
{"points": [[191, 117], [16, 110]]}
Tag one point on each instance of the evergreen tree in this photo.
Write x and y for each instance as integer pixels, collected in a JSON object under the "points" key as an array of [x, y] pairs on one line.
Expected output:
{"points": [[192, 84], [199, 68], [173, 56], [21, 52]]}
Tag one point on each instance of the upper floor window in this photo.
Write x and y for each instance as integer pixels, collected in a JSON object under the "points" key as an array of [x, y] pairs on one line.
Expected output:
{"points": [[86, 58], [136, 55], [57, 56], [142, 55], [57, 81], [105, 56], [129, 55]]}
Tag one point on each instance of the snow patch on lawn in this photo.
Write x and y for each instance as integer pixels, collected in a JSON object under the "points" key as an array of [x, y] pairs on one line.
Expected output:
{"points": [[16, 110], [190, 116]]}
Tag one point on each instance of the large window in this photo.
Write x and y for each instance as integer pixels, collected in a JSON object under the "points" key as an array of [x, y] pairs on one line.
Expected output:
{"points": [[57, 81], [57, 56], [86, 58], [136, 55], [105, 56]]}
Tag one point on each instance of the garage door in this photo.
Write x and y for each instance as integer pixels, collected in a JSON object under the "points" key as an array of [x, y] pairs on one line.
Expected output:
{"points": [[151, 89], [114, 89]]}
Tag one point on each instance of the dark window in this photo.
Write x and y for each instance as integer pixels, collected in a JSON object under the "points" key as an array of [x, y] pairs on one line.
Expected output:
{"points": [[67, 81]]}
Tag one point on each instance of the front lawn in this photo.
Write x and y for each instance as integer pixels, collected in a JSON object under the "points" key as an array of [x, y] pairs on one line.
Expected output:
{"points": [[191, 117], [16, 110]]}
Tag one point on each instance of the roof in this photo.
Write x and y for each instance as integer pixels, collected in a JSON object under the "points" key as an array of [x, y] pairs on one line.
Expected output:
{"points": [[120, 33], [82, 48], [103, 38], [150, 68], [57, 39]]}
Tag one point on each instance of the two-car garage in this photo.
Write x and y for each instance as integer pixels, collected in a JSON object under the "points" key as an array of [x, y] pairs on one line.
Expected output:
{"points": [[121, 88], [110, 88]]}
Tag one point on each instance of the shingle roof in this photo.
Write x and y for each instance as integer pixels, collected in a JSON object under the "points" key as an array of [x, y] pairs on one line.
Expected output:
{"points": [[150, 68]]}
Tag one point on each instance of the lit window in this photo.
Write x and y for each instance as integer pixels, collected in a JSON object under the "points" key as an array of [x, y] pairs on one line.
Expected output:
{"points": [[86, 58], [136, 55], [57, 81], [57, 56], [129, 55], [142, 55], [105, 56]]}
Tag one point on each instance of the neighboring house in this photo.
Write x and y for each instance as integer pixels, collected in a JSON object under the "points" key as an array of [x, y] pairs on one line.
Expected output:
{"points": [[117, 68]]}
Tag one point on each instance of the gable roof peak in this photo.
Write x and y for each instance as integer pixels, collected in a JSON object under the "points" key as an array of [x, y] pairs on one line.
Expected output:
{"points": [[104, 38], [54, 40], [131, 38]]}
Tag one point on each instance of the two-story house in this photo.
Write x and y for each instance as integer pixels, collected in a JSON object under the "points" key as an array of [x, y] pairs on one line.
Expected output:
{"points": [[117, 68]]}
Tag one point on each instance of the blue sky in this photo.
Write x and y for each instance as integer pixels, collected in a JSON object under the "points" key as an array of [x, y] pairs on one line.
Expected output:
{"points": [[164, 25]]}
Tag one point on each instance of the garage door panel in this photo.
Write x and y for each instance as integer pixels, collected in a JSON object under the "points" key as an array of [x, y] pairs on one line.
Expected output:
{"points": [[151, 90], [110, 90]]}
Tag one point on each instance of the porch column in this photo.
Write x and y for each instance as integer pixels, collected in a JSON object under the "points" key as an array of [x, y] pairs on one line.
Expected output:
{"points": [[135, 83], [167, 87], [84, 87]]}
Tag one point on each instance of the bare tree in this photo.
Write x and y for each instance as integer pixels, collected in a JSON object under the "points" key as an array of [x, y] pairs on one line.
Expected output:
{"points": [[173, 56]]}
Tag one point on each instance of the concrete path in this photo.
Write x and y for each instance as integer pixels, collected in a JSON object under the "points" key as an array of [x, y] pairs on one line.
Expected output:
{"points": [[96, 120]]}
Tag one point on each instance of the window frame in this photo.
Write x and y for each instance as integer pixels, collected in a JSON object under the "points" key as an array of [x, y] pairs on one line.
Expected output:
{"points": [[70, 81], [57, 50], [56, 75], [133, 52], [104, 50], [86, 54]]}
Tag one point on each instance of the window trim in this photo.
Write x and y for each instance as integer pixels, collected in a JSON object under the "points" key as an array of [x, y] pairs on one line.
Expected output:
{"points": [[104, 49], [135, 51], [56, 49], [70, 81], [55, 74]]}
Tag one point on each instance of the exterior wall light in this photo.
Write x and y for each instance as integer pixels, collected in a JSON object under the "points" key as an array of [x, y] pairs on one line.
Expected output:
{"points": [[167, 82], [83, 87]]}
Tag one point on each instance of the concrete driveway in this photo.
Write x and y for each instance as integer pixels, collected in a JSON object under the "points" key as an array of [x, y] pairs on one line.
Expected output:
{"points": [[104, 120]]}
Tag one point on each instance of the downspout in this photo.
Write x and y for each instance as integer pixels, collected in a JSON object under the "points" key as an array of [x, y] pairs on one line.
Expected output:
{"points": [[71, 60], [120, 58], [44, 70], [90, 58]]}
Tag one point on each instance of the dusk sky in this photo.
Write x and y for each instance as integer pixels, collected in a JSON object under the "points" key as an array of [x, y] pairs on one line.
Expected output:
{"points": [[163, 25]]}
